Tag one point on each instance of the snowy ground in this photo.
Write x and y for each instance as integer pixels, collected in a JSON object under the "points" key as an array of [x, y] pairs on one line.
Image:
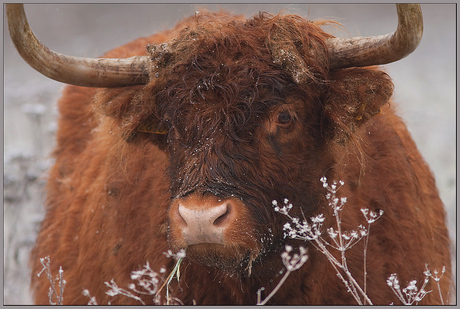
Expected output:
{"points": [[425, 94]]}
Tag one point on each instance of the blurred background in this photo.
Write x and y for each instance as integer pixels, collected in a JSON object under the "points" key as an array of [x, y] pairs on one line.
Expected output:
{"points": [[425, 95]]}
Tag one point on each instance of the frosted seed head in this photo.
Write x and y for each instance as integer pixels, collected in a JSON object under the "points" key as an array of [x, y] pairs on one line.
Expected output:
{"points": [[112, 292], [332, 233], [427, 272], [412, 286], [181, 254], [285, 256], [392, 280], [354, 234], [304, 259], [318, 219], [362, 231]]}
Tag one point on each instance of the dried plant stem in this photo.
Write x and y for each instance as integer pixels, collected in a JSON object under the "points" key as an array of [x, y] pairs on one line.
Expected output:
{"points": [[351, 283], [292, 263], [61, 286], [366, 242], [440, 294], [60, 278], [409, 294], [259, 302], [437, 279], [340, 240], [176, 272]]}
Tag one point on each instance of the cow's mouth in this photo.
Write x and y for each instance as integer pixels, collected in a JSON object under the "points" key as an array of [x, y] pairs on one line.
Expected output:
{"points": [[230, 259]]}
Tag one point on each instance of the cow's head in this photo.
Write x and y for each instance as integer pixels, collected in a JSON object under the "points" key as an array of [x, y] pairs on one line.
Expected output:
{"points": [[246, 110]]}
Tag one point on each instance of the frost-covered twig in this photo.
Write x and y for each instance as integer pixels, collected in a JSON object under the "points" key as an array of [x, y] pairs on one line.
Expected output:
{"points": [[436, 279], [371, 217], [339, 240], [59, 278], [92, 299], [116, 290], [148, 283], [409, 294], [292, 263]]}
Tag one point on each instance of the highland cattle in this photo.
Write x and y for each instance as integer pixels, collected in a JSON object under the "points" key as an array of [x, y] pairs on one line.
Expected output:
{"points": [[181, 142]]}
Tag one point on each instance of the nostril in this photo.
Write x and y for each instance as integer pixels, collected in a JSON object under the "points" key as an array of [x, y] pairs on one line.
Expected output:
{"points": [[224, 217], [182, 215]]}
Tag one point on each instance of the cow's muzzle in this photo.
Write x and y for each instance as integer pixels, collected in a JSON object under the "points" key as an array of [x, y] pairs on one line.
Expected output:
{"points": [[212, 230], [205, 225]]}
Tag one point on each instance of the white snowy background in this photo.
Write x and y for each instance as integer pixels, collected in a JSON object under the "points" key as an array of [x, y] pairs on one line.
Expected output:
{"points": [[425, 93]]}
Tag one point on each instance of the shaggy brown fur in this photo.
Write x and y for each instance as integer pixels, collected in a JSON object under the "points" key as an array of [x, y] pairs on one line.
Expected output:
{"points": [[243, 124]]}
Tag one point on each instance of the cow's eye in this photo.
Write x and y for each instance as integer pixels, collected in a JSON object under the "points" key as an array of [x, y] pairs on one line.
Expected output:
{"points": [[284, 118], [167, 121]]}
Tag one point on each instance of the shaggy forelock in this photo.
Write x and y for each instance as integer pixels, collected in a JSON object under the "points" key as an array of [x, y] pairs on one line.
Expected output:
{"points": [[217, 80]]}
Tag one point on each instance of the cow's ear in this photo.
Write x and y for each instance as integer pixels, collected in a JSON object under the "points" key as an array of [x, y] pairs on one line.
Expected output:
{"points": [[149, 128], [134, 112], [354, 96]]}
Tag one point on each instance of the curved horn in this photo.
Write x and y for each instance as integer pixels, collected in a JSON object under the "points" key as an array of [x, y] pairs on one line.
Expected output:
{"points": [[364, 51], [88, 72]]}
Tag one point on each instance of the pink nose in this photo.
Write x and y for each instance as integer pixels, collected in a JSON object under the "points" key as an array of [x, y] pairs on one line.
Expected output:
{"points": [[205, 225]]}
